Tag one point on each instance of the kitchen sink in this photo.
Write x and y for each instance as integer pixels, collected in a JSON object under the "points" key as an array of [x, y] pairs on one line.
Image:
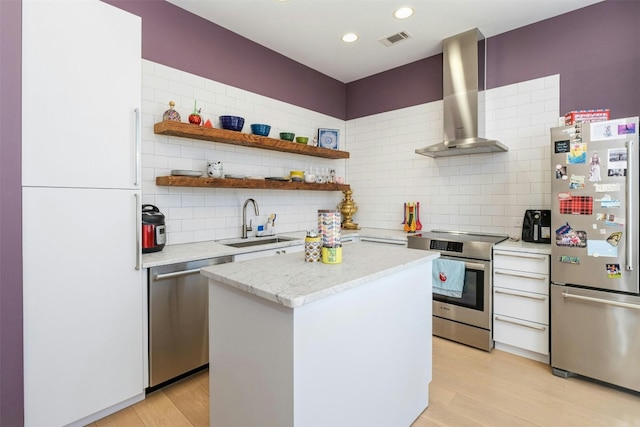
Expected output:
{"points": [[260, 241]]}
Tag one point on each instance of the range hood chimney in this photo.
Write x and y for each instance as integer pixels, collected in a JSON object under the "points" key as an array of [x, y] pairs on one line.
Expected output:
{"points": [[463, 85]]}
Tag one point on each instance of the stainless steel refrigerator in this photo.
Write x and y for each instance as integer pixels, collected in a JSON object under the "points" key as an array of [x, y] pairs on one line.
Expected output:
{"points": [[595, 300]]}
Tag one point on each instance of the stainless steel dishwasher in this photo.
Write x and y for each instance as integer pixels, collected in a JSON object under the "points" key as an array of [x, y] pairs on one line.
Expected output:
{"points": [[178, 319]]}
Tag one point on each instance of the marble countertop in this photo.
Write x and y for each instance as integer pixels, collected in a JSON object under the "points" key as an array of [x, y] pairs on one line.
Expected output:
{"points": [[520, 246], [172, 254], [292, 282]]}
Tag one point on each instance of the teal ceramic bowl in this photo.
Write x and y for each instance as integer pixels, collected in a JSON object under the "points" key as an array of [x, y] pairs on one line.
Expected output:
{"points": [[260, 129]]}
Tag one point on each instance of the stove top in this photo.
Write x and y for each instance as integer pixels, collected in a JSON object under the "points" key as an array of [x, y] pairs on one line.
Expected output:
{"points": [[458, 244]]}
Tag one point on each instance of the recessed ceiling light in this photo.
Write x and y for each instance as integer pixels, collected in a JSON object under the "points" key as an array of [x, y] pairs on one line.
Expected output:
{"points": [[350, 37], [403, 12]]}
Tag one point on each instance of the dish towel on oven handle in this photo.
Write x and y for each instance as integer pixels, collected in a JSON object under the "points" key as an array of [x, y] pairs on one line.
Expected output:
{"points": [[448, 277]]}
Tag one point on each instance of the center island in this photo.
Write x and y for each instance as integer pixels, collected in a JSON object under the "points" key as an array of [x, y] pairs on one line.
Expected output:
{"points": [[295, 343]]}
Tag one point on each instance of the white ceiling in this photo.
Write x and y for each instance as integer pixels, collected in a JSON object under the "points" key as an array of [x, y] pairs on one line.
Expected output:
{"points": [[309, 31]]}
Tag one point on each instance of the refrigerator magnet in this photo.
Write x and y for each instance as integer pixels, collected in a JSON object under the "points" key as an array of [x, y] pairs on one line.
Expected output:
{"points": [[561, 172], [572, 239], [601, 248], [607, 188], [613, 271], [605, 217], [594, 168], [562, 146], [606, 204], [577, 154], [576, 181], [616, 222], [566, 259], [617, 162], [614, 238]]}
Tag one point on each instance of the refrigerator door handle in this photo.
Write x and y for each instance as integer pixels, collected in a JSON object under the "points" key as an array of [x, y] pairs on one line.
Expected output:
{"points": [[630, 179], [601, 301]]}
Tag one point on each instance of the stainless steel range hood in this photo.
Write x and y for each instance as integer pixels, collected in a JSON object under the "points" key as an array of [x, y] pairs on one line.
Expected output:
{"points": [[463, 98]]}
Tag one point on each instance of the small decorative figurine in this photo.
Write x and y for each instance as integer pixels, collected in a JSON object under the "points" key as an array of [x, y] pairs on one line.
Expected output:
{"points": [[171, 114], [348, 209], [194, 118], [214, 170]]}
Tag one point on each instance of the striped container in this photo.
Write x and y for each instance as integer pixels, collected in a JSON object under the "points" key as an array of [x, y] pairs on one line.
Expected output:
{"points": [[329, 227]]}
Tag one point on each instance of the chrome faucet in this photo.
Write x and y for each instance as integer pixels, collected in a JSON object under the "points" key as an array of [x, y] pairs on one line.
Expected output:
{"points": [[246, 228]]}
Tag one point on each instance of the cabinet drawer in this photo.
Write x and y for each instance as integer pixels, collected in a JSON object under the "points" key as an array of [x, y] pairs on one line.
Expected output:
{"points": [[521, 261], [521, 305], [267, 253], [522, 281], [520, 333]]}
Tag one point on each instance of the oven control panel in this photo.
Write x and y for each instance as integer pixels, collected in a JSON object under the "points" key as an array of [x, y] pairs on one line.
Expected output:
{"points": [[443, 245]]}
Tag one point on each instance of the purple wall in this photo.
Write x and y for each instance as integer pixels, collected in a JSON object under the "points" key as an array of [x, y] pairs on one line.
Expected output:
{"points": [[411, 84], [11, 365], [176, 38], [596, 51]]}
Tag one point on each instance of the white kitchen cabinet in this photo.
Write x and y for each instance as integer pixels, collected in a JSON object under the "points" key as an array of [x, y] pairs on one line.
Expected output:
{"points": [[81, 83], [83, 308], [83, 290], [521, 303]]}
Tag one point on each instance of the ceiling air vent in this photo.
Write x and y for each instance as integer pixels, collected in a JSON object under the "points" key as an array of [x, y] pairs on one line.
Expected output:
{"points": [[396, 38]]}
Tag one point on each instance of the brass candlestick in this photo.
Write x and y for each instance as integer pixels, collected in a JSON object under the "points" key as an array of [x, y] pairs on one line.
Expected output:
{"points": [[348, 209]]}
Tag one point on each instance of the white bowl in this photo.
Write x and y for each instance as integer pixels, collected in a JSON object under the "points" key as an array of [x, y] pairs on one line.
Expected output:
{"points": [[309, 178]]}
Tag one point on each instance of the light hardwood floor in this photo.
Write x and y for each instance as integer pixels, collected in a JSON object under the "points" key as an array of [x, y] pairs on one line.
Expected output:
{"points": [[470, 388]]}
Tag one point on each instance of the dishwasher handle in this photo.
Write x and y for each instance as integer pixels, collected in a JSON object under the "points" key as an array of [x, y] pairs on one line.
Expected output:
{"points": [[176, 274]]}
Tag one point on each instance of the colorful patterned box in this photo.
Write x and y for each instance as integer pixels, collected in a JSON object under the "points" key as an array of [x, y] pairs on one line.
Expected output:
{"points": [[586, 116]]}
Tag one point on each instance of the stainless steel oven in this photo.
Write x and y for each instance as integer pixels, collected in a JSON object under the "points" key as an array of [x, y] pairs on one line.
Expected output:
{"points": [[466, 319]]}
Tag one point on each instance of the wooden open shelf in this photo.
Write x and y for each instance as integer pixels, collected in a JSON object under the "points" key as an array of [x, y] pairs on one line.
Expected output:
{"points": [[187, 130], [185, 181]]}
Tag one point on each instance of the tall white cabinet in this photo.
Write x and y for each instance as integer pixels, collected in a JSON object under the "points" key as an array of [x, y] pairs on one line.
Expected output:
{"points": [[83, 289]]}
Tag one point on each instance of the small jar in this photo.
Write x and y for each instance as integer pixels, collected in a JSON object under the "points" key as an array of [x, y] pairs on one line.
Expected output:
{"points": [[312, 247]]}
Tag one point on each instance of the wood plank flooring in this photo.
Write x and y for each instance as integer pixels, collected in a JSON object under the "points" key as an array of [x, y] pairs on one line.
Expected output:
{"points": [[469, 388]]}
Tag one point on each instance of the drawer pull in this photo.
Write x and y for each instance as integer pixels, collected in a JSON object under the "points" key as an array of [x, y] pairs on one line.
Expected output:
{"points": [[517, 255], [519, 294], [526, 325], [522, 275]]}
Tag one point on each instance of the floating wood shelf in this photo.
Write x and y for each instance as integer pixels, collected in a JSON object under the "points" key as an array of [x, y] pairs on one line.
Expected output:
{"points": [[187, 130], [186, 181]]}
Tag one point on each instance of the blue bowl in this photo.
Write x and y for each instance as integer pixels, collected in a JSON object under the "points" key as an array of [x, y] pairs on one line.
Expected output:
{"points": [[232, 122], [262, 130]]}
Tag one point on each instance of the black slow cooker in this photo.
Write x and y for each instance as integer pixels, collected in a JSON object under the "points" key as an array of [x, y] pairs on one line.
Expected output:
{"points": [[153, 229]]}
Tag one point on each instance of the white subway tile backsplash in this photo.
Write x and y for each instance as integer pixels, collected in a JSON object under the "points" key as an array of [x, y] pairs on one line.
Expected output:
{"points": [[486, 193], [199, 214], [470, 192]]}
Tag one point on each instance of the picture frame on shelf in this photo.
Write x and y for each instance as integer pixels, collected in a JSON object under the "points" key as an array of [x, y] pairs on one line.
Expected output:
{"points": [[328, 138]]}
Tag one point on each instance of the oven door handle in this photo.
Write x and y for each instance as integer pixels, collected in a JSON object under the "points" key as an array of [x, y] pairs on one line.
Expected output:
{"points": [[473, 266], [467, 264]]}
